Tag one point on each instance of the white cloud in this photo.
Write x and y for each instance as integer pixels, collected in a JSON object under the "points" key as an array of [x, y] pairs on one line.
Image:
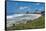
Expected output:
{"points": [[39, 9], [23, 7], [37, 3]]}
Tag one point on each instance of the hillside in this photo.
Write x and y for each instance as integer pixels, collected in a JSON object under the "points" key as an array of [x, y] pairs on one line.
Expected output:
{"points": [[35, 24]]}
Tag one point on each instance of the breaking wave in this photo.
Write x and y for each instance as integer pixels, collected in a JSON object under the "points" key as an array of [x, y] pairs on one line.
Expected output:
{"points": [[15, 15]]}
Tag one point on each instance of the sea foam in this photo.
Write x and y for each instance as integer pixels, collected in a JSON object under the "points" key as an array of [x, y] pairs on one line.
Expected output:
{"points": [[15, 15]]}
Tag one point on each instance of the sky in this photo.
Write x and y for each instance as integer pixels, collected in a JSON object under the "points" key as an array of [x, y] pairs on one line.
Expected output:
{"points": [[13, 6]]}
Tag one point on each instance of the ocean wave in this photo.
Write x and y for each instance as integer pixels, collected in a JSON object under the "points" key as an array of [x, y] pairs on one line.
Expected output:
{"points": [[15, 15]]}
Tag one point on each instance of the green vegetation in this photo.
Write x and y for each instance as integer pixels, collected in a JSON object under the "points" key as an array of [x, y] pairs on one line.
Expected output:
{"points": [[35, 24]]}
